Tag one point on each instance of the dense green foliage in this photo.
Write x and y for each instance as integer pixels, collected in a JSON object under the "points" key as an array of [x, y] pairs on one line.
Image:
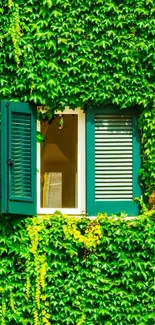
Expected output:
{"points": [[147, 172], [73, 52], [50, 277]]}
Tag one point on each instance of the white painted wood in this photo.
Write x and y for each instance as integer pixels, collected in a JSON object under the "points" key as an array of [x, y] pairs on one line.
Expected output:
{"points": [[116, 160], [113, 157], [108, 184], [117, 140], [81, 169]]}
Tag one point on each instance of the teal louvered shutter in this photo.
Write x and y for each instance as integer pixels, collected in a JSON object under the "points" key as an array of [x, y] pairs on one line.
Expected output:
{"points": [[19, 179], [0, 149], [3, 155], [113, 161]]}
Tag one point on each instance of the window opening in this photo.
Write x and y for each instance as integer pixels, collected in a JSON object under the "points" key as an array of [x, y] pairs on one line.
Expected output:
{"points": [[59, 163]]}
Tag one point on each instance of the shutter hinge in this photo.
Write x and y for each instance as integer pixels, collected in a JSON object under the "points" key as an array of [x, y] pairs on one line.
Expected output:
{"points": [[10, 162]]}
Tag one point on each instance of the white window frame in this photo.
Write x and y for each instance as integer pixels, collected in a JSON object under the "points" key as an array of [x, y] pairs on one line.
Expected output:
{"points": [[80, 169]]}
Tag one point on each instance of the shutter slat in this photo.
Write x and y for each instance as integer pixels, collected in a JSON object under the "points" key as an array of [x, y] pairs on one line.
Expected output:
{"points": [[21, 154], [116, 168], [122, 153], [109, 148], [123, 136], [108, 189], [112, 142], [114, 197], [113, 157], [111, 184], [114, 172], [113, 162]]}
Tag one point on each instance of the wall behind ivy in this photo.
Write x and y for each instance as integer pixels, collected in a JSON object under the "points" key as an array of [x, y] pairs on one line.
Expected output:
{"points": [[65, 271], [75, 52]]}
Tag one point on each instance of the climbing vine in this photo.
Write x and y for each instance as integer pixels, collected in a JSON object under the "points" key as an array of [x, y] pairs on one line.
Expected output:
{"points": [[78, 53], [147, 172], [14, 30], [40, 264], [3, 311], [10, 4], [89, 239], [67, 287]]}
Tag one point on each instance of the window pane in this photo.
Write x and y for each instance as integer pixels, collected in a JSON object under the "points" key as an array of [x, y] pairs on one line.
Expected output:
{"points": [[59, 163]]}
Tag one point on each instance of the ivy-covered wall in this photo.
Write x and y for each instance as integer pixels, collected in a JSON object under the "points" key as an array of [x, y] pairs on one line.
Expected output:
{"points": [[70, 271], [73, 52], [76, 53]]}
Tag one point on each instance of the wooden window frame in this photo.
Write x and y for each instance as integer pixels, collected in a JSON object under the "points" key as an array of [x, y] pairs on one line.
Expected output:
{"points": [[81, 169]]}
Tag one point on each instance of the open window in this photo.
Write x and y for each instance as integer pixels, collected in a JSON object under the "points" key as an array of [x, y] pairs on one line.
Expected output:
{"points": [[61, 164], [111, 158]]}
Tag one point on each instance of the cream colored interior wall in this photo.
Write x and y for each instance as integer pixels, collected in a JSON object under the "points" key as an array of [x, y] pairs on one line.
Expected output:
{"points": [[59, 154]]}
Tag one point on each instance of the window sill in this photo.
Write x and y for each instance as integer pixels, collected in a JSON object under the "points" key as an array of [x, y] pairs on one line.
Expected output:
{"points": [[69, 212], [80, 215]]}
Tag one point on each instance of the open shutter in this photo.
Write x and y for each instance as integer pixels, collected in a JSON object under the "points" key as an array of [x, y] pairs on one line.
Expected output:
{"points": [[3, 157], [0, 149], [113, 161], [20, 162]]}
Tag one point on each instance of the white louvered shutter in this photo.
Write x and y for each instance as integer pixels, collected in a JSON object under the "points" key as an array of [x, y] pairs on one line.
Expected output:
{"points": [[113, 157]]}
